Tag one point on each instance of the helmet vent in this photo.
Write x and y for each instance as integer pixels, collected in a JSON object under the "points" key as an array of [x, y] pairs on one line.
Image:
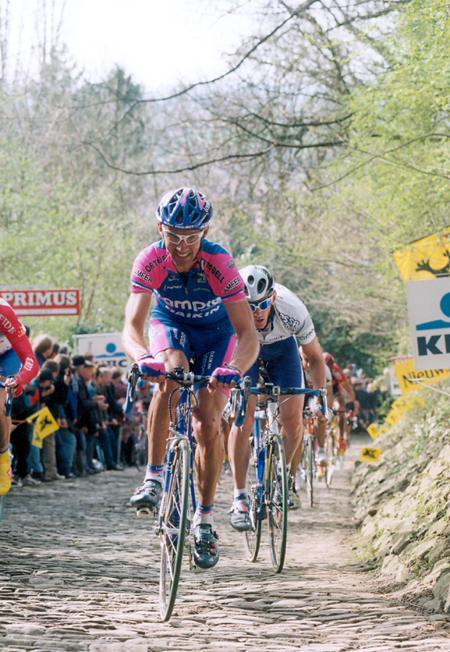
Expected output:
{"points": [[261, 285]]}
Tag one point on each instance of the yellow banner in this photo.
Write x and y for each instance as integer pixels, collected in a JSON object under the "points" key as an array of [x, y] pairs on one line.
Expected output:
{"points": [[406, 373], [370, 455], [425, 258], [44, 426]]}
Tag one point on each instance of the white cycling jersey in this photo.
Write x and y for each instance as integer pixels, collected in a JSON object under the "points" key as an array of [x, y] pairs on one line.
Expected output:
{"points": [[289, 317]]}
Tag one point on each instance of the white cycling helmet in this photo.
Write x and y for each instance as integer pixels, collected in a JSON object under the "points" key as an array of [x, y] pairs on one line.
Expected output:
{"points": [[258, 283]]}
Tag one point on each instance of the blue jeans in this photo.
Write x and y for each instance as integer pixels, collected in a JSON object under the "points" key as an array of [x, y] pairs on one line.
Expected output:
{"points": [[66, 443], [106, 444], [34, 460]]}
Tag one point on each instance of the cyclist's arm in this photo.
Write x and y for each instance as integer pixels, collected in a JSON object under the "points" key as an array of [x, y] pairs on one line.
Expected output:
{"points": [[316, 364], [247, 348], [11, 327], [136, 313], [349, 389]]}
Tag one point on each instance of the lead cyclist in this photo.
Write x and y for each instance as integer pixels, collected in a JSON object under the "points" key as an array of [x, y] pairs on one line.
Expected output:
{"points": [[200, 309], [279, 317]]}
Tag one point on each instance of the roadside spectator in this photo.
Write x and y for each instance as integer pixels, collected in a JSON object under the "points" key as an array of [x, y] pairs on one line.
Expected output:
{"points": [[37, 391], [55, 351], [87, 416], [49, 442], [43, 348], [364, 404], [107, 436], [65, 439]]}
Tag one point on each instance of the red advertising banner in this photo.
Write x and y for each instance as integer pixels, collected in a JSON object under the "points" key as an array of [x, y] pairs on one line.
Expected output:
{"points": [[36, 303]]}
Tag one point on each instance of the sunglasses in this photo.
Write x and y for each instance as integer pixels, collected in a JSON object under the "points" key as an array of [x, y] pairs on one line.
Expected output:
{"points": [[262, 305], [176, 239]]}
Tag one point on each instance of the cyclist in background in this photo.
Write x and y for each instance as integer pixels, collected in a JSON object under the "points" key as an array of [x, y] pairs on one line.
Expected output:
{"points": [[344, 396], [18, 365], [279, 317], [320, 427], [200, 309]]}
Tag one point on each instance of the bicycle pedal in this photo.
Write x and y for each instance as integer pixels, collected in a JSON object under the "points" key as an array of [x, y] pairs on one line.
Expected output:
{"points": [[145, 512]]}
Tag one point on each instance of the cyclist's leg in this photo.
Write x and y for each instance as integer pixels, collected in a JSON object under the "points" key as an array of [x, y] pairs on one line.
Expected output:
{"points": [[209, 454], [283, 365], [169, 344], [239, 450], [239, 445]]}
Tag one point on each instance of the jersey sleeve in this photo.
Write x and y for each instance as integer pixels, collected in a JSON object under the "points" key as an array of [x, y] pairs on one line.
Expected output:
{"points": [[148, 269], [13, 330], [222, 273], [294, 315]]}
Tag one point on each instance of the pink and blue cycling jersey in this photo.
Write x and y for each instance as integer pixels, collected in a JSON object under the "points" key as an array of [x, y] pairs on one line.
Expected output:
{"points": [[197, 297]]}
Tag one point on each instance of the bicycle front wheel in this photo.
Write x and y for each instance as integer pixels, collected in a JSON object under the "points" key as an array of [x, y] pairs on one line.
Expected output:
{"points": [[173, 523], [252, 538], [277, 502]]}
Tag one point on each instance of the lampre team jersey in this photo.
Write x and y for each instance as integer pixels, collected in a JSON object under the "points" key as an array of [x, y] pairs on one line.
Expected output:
{"points": [[289, 317], [194, 298]]}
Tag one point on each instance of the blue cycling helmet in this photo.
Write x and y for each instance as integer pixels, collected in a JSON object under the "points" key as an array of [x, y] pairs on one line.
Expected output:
{"points": [[185, 208]]}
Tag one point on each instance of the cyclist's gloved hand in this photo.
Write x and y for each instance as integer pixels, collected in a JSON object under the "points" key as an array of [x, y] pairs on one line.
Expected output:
{"points": [[226, 375], [319, 413], [350, 406], [154, 370], [16, 382]]}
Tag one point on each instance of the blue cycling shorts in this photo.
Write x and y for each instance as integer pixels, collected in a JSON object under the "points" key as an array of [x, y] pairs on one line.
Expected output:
{"points": [[281, 361], [208, 346], [9, 363]]}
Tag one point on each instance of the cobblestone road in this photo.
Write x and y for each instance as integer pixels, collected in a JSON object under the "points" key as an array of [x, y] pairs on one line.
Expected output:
{"points": [[80, 572]]}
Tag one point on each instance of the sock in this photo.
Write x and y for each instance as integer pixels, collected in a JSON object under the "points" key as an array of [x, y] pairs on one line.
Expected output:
{"points": [[155, 473], [203, 514], [240, 493]]}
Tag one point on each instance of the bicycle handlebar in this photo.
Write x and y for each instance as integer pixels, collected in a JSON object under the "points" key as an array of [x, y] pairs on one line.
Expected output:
{"points": [[185, 379], [9, 398], [274, 391]]}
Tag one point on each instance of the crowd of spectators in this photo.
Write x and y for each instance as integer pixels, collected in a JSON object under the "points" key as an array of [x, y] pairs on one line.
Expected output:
{"points": [[369, 396], [85, 401]]}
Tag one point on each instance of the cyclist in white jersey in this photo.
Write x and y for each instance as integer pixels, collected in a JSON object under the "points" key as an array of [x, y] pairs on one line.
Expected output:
{"points": [[280, 317]]}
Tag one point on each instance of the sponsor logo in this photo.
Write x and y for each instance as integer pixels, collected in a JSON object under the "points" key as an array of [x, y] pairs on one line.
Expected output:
{"points": [[152, 264], [429, 345], [142, 275], [214, 271], [6, 324], [291, 323], [232, 284]]}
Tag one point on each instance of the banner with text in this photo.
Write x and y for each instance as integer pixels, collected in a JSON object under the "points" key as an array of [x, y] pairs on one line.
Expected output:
{"points": [[407, 374], [429, 320], [37, 303]]}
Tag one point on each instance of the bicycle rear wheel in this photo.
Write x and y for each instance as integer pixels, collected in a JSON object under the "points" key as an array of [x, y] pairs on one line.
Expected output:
{"points": [[173, 527], [309, 466], [252, 538], [277, 502]]}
